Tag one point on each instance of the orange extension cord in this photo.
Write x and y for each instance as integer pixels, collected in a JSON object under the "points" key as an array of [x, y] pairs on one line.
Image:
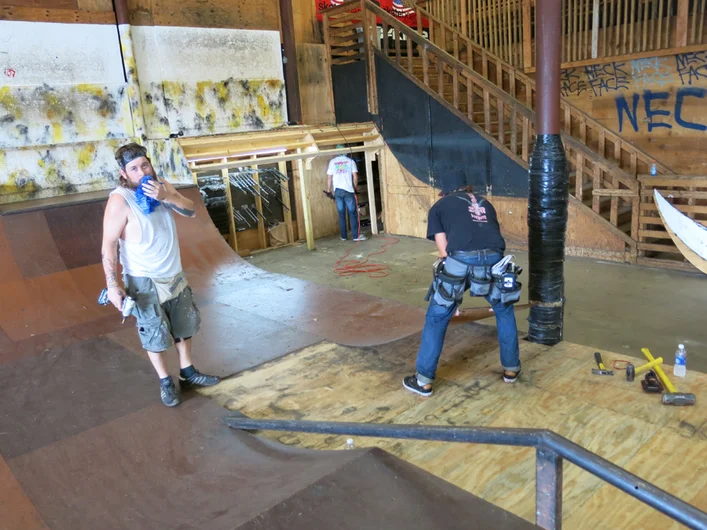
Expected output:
{"points": [[349, 267]]}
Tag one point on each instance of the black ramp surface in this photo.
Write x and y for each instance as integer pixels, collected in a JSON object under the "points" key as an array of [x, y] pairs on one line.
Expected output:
{"points": [[350, 98], [380, 491], [164, 468], [68, 390]]}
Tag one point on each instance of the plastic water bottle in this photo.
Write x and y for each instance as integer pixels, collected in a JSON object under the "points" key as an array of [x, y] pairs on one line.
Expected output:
{"points": [[654, 169], [680, 366], [349, 444]]}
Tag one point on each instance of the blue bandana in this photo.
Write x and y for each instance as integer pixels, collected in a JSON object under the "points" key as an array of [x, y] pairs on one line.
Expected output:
{"points": [[147, 204]]}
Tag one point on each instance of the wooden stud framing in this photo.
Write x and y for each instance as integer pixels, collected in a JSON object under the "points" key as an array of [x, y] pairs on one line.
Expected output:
{"points": [[285, 198], [306, 206], [232, 234], [370, 185], [262, 235]]}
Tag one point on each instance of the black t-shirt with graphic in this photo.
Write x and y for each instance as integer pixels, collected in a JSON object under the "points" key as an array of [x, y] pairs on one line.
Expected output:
{"points": [[469, 221]]}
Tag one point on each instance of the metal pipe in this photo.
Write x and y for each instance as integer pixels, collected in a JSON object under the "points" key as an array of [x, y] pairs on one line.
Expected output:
{"points": [[482, 435], [547, 441], [121, 11], [548, 30], [250, 183], [548, 188], [626, 481]]}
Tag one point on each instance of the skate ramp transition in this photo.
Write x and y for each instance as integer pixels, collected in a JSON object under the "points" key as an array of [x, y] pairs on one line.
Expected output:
{"points": [[86, 443]]}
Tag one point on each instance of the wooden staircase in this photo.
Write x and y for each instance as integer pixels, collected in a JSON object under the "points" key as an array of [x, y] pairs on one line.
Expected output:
{"points": [[498, 102]]}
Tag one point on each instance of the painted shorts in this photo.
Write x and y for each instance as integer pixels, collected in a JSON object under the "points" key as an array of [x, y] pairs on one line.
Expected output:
{"points": [[159, 324]]}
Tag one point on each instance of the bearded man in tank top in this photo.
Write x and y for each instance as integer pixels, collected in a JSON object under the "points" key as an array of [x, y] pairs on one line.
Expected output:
{"points": [[139, 226]]}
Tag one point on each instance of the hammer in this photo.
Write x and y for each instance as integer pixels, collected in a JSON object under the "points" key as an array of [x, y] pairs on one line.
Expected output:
{"points": [[602, 369], [632, 371], [672, 396]]}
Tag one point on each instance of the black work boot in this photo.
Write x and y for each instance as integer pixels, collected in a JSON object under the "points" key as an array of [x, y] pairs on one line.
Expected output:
{"points": [[169, 392]]}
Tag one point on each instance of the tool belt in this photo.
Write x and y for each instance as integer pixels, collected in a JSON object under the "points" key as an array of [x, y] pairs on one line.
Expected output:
{"points": [[451, 278]]}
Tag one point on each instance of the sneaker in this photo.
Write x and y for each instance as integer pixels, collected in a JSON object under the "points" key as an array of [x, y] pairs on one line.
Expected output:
{"points": [[344, 238], [360, 238], [512, 378], [169, 394], [198, 379], [410, 382]]}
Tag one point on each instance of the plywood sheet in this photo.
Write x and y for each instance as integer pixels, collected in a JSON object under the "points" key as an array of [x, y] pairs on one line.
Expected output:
{"points": [[240, 14], [325, 218], [46, 4], [557, 391], [315, 86], [406, 200], [60, 54], [657, 103], [70, 16]]}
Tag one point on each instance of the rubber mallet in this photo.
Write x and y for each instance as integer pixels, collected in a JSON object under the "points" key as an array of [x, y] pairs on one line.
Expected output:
{"points": [[632, 371]]}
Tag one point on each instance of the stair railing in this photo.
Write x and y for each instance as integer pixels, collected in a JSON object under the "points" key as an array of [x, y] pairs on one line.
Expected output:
{"points": [[575, 121], [551, 450], [512, 117]]}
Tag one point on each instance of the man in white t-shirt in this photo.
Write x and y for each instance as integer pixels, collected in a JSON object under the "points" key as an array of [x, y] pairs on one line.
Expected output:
{"points": [[343, 181]]}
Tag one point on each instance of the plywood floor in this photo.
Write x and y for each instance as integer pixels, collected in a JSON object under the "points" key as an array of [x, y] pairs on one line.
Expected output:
{"points": [[614, 418]]}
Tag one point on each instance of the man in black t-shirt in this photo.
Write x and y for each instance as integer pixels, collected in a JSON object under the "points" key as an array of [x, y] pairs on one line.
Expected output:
{"points": [[464, 226]]}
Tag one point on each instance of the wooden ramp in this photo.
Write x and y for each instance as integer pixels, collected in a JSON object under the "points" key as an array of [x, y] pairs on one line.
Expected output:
{"points": [[607, 415], [85, 442]]}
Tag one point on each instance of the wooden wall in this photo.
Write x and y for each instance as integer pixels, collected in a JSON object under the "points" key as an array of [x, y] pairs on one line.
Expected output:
{"points": [[307, 28], [325, 219], [81, 11], [406, 202], [659, 104], [235, 14], [313, 66], [316, 94]]}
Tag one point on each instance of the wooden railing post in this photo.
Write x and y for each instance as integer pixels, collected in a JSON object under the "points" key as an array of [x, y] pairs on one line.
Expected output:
{"points": [[464, 30], [681, 28], [527, 41], [595, 29], [371, 84]]}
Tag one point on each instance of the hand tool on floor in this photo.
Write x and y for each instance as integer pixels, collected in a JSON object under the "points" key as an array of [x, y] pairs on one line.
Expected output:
{"points": [[651, 384], [602, 369], [672, 396], [632, 371]]}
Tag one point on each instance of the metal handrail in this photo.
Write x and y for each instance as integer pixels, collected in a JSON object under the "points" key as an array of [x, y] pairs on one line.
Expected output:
{"points": [[551, 449]]}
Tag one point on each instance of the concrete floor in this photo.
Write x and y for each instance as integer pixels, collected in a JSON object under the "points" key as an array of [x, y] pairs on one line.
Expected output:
{"points": [[609, 306]]}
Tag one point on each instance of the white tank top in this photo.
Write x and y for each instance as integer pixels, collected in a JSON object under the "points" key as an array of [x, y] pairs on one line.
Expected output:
{"points": [[157, 254]]}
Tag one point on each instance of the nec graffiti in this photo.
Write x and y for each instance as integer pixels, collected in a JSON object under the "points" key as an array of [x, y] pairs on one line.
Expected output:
{"points": [[648, 112]]}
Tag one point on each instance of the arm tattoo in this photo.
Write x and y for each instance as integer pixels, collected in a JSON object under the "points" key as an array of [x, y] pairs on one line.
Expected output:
{"points": [[110, 267], [186, 212]]}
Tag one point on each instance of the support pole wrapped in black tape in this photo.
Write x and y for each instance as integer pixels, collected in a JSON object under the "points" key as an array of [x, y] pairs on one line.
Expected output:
{"points": [[547, 225]]}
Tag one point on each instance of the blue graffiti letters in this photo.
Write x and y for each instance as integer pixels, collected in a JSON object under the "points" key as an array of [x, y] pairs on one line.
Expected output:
{"points": [[682, 94], [648, 98], [622, 106], [652, 114]]}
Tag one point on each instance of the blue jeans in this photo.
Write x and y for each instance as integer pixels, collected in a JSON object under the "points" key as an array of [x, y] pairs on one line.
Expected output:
{"points": [[345, 200], [438, 318]]}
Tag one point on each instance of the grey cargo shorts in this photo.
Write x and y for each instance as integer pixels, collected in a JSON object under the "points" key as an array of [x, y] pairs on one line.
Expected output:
{"points": [[159, 324]]}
